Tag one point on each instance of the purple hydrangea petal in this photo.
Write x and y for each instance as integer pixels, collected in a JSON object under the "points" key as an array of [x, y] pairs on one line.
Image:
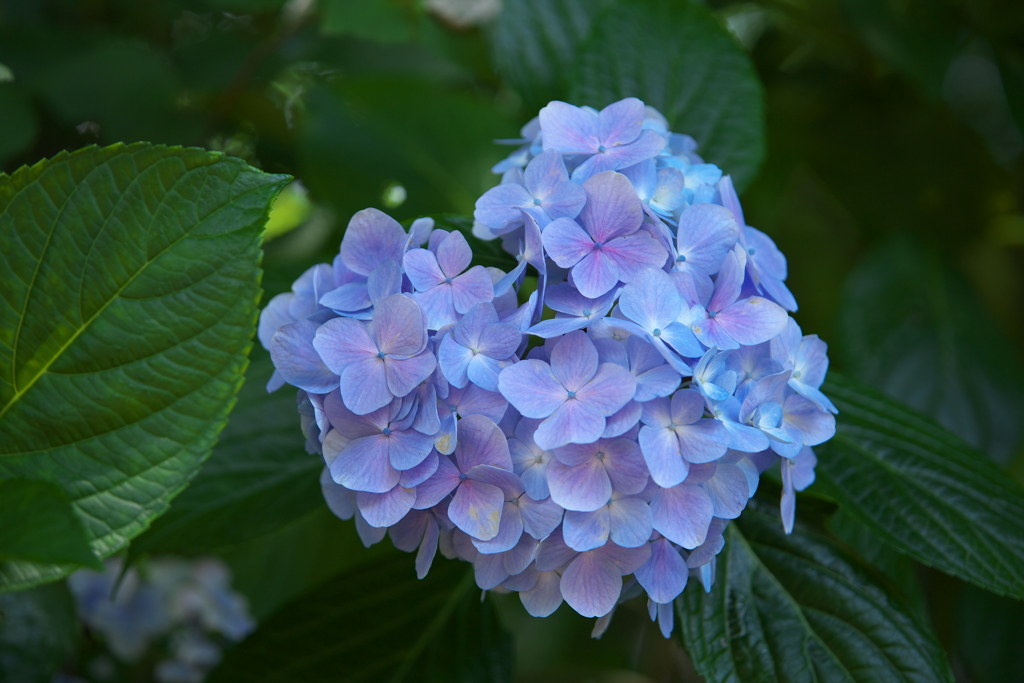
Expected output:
{"points": [[621, 122], [752, 321], [706, 233], [364, 386], [703, 441], [586, 530], [414, 476], [584, 487], [545, 597], [476, 509], [728, 490], [499, 340], [500, 206], [438, 485], [574, 360], [364, 465], [385, 509], [664, 574], [510, 530], [404, 375], [591, 584], [553, 553], [292, 348], [622, 421], [625, 465], [354, 296], [471, 288], [372, 238], [532, 388], [408, 448], [398, 326], [422, 269], [484, 371], [651, 300], [453, 359], [438, 306], [569, 129], [575, 421], [566, 242], [630, 522], [682, 514], [540, 517], [610, 389], [597, 273], [481, 443], [612, 209], [340, 500], [660, 448], [428, 548]]}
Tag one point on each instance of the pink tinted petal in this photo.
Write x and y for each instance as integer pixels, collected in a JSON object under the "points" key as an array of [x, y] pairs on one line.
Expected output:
{"points": [[707, 232], [610, 389], [660, 448], [586, 530], [471, 288], [372, 237], [572, 422], [544, 173], [532, 388], [584, 487], [591, 584], [574, 360], [363, 465], [293, 350], [648, 145], [634, 253], [440, 484], [569, 129], [612, 209], [566, 242], [403, 375], [682, 514], [385, 509], [545, 597], [422, 269], [364, 386], [621, 122], [476, 509], [495, 476], [398, 326], [481, 442], [630, 522], [664, 574], [752, 321]]}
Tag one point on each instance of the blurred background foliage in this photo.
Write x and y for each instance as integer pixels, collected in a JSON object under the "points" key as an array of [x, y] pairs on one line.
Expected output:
{"points": [[893, 180]]}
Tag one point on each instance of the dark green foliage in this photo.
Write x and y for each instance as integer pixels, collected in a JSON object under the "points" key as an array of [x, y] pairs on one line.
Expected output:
{"points": [[38, 633], [129, 299], [797, 608], [39, 525], [379, 623]]}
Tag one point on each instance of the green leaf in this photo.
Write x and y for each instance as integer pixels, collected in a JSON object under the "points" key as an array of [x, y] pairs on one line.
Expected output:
{"points": [[379, 623], [258, 479], [923, 490], [797, 608], [39, 632], [988, 636], [679, 58], [385, 21], [911, 328], [129, 278], [38, 524], [535, 43]]}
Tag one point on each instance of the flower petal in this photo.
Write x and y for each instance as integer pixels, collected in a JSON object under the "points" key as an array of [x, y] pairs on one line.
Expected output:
{"points": [[476, 509]]}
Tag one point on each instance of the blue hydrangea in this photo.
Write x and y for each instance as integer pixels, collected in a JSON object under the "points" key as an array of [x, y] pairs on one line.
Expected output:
{"points": [[586, 443]]}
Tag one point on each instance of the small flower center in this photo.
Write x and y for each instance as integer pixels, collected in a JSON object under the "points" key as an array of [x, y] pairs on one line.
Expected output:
{"points": [[600, 149], [796, 375], [600, 455], [681, 258], [380, 354], [536, 201], [572, 394], [586, 312], [448, 280], [657, 332], [387, 431], [751, 251], [452, 407], [712, 314]]}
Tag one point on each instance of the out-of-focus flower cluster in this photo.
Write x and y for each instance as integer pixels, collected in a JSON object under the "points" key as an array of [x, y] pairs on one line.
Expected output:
{"points": [[184, 610], [582, 427]]}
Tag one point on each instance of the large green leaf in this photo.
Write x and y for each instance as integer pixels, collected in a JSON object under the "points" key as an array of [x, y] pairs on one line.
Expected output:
{"points": [[923, 490], [911, 328], [679, 58], [129, 284], [37, 523], [258, 479], [535, 44], [39, 632], [379, 623], [797, 608]]}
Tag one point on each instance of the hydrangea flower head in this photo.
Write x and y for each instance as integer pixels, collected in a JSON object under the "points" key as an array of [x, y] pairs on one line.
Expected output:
{"points": [[608, 422]]}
